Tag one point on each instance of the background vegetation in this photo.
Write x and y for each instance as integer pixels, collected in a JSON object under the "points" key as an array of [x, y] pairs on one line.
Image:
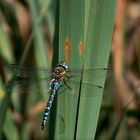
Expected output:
{"points": [[39, 34]]}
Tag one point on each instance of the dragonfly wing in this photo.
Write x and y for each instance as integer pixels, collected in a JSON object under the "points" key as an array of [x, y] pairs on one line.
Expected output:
{"points": [[86, 90], [31, 72], [92, 82], [27, 84], [27, 78], [89, 76], [36, 85]]}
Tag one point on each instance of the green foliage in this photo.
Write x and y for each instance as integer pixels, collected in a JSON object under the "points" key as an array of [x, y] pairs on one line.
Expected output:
{"points": [[10, 128], [89, 23], [5, 47], [86, 28]]}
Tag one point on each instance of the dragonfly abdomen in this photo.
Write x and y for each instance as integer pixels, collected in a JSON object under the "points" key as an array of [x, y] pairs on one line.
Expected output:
{"points": [[55, 87]]}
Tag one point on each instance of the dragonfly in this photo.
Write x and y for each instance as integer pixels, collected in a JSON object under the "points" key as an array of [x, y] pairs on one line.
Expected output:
{"points": [[62, 77]]}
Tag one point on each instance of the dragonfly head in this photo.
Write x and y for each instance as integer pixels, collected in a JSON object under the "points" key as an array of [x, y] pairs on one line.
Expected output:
{"points": [[63, 64]]}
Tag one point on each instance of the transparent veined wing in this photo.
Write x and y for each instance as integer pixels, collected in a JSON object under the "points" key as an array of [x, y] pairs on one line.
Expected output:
{"points": [[27, 78], [29, 84], [85, 89], [89, 75], [88, 90], [30, 72]]}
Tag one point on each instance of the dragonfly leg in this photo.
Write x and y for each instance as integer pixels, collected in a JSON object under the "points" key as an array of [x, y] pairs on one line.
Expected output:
{"points": [[67, 76], [66, 84]]}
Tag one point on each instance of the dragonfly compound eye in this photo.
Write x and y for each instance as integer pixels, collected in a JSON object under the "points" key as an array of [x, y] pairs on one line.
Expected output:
{"points": [[63, 64]]}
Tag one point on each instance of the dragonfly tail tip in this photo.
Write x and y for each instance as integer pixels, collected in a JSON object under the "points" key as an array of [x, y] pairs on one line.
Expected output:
{"points": [[42, 126]]}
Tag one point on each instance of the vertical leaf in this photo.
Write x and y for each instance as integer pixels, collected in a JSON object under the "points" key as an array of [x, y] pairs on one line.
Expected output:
{"points": [[87, 27], [38, 39], [9, 127]]}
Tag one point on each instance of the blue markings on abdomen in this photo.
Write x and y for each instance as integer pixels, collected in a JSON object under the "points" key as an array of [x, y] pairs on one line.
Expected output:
{"points": [[55, 87]]}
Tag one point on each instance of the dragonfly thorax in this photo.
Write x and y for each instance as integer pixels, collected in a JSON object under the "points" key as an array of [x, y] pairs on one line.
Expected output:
{"points": [[59, 73]]}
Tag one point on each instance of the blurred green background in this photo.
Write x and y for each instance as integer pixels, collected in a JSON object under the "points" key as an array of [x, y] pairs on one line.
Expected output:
{"points": [[102, 33]]}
